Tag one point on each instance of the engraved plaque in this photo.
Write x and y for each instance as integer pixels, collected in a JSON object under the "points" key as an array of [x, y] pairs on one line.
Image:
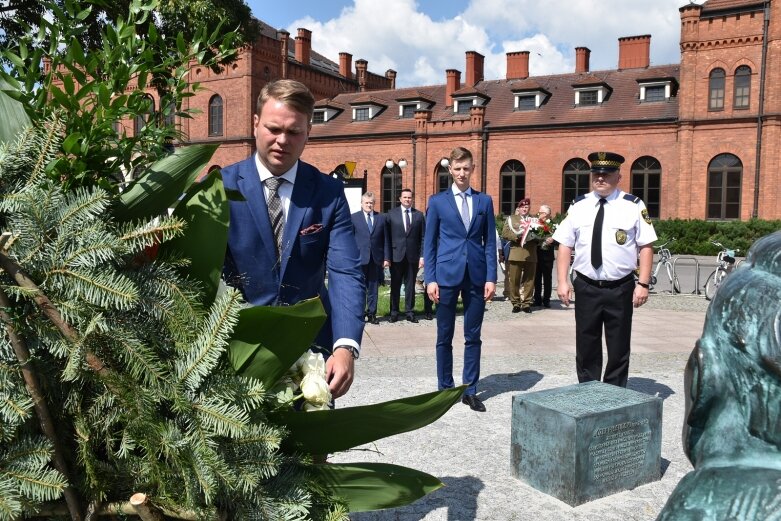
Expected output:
{"points": [[586, 441]]}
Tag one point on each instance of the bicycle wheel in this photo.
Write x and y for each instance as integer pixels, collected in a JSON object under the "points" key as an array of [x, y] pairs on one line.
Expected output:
{"points": [[673, 278], [712, 284]]}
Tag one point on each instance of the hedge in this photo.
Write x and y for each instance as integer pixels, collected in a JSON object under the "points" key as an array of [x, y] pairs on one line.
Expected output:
{"points": [[694, 236]]}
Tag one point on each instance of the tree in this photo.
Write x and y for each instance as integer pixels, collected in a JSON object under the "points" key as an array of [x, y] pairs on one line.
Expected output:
{"points": [[173, 17]]}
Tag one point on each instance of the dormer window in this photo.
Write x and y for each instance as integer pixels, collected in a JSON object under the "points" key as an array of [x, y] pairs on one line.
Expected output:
{"points": [[529, 99], [660, 89], [467, 100], [407, 111], [324, 114], [367, 109], [463, 106], [591, 95], [362, 114], [408, 105]]}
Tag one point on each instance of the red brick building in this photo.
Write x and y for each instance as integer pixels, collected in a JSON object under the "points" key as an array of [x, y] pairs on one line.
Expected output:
{"points": [[701, 138]]}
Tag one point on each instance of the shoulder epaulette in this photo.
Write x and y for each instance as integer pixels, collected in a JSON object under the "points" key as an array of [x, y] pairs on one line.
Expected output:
{"points": [[579, 198], [633, 198]]}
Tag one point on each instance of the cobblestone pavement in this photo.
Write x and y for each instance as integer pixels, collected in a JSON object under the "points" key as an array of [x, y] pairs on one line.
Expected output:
{"points": [[470, 452]]}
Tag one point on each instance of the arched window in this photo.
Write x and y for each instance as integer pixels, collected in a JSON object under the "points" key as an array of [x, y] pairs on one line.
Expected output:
{"points": [[145, 117], [169, 115], [215, 116], [512, 177], [646, 183], [742, 87], [576, 181], [391, 187], [724, 175], [444, 179], [716, 90]]}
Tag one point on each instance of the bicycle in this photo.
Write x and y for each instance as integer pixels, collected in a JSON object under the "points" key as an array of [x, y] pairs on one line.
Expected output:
{"points": [[665, 259], [725, 264]]}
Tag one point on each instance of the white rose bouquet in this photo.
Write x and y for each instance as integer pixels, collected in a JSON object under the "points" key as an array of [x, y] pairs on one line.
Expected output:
{"points": [[305, 380]]}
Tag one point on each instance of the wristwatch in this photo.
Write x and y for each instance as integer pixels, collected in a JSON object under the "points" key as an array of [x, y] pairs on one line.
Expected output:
{"points": [[643, 285], [354, 351]]}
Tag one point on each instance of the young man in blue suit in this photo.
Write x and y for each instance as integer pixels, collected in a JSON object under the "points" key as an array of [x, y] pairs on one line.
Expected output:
{"points": [[289, 223], [460, 259], [374, 247]]}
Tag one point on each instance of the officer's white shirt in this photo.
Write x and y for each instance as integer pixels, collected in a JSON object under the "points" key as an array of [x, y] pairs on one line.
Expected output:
{"points": [[622, 218]]}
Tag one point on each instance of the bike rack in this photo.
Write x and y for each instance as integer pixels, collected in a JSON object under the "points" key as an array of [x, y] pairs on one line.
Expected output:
{"points": [[696, 274]]}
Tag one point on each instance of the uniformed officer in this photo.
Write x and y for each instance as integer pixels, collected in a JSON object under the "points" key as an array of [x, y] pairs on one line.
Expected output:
{"points": [[607, 228]]}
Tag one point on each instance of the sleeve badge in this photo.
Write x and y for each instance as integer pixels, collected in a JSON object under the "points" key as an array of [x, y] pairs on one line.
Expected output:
{"points": [[645, 215]]}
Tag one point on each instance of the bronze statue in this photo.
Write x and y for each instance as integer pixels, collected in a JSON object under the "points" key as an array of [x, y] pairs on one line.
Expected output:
{"points": [[732, 430]]}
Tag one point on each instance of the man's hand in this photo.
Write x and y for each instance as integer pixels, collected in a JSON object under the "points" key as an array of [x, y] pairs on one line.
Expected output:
{"points": [[386, 264], [488, 292], [339, 371], [640, 296], [433, 292], [564, 291], [420, 263]]}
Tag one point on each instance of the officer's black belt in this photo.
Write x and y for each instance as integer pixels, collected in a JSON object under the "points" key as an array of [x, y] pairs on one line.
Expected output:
{"points": [[605, 283]]}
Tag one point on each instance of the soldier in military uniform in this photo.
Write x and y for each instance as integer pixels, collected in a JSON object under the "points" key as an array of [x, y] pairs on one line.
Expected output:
{"points": [[607, 228], [522, 259]]}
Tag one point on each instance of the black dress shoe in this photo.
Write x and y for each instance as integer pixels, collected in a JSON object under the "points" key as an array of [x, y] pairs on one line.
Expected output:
{"points": [[527, 310], [546, 304], [516, 309], [394, 318], [537, 303], [373, 319], [473, 402], [411, 318], [429, 316]]}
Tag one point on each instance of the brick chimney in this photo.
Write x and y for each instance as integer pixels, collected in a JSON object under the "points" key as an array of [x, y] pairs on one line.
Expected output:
{"points": [[284, 47], [518, 65], [582, 55], [303, 45], [453, 84], [634, 52], [346, 65], [474, 68], [360, 72], [390, 74]]}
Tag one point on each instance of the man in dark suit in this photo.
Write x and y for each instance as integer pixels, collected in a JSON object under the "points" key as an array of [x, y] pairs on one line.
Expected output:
{"points": [[406, 229], [289, 223], [460, 259], [374, 247]]}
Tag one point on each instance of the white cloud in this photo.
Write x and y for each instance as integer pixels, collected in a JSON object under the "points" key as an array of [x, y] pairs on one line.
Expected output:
{"points": [[395, 34]]}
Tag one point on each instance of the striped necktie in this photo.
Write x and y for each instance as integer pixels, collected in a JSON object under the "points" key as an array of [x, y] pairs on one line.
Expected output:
{"points": [[275, 213]]}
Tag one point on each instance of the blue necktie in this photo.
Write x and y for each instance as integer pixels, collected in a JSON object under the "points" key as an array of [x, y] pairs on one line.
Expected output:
{"points": [[370, 222], [464, 210]]}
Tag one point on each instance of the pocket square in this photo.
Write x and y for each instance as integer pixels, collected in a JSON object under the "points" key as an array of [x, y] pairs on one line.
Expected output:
{"points": [[309, 230]]}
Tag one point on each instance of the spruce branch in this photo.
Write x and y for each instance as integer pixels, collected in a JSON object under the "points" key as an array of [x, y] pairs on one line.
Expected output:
{"points": [[41, 408]]}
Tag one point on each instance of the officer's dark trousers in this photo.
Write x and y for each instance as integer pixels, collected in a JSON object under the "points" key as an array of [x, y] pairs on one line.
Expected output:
{"points": [[597, 308]]}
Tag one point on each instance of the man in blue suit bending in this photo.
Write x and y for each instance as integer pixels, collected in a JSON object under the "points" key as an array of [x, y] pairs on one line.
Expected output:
{"points": [[374, 247], [289, 223], [460, 259]]}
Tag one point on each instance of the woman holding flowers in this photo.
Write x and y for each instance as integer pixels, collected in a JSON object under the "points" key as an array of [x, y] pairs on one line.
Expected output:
{"points": [[542, 277]]}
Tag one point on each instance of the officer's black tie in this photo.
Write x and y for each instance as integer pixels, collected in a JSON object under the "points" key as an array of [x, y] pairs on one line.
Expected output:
{"points": [[596, 238]]}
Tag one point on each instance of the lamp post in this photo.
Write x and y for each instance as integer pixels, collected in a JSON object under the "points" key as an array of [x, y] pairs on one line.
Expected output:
{"points": [[395, 180]]}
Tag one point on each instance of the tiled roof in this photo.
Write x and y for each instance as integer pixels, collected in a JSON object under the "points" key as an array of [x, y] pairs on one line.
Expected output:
{"points": [[729, 5], [623, 105]]}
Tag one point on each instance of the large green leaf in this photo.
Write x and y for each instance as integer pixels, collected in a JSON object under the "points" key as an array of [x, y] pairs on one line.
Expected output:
{"points": [[322, 432], [374, 486], [13, 118], [269, 339], [206, 213], [160, 187]]}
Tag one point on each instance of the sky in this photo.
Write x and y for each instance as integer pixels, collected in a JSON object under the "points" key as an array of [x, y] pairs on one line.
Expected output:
{"points": [[421, 39]]}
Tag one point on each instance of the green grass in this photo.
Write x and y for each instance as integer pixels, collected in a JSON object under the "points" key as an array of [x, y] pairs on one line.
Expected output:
{"points": [[383, 302]]}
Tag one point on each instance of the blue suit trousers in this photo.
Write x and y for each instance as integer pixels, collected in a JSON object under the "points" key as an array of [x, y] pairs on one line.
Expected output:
{"points": [[371, 274], [474, 309]]}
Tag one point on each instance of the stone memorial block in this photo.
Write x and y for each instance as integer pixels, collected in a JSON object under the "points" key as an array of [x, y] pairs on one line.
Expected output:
{"points": [[586, 441]]}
